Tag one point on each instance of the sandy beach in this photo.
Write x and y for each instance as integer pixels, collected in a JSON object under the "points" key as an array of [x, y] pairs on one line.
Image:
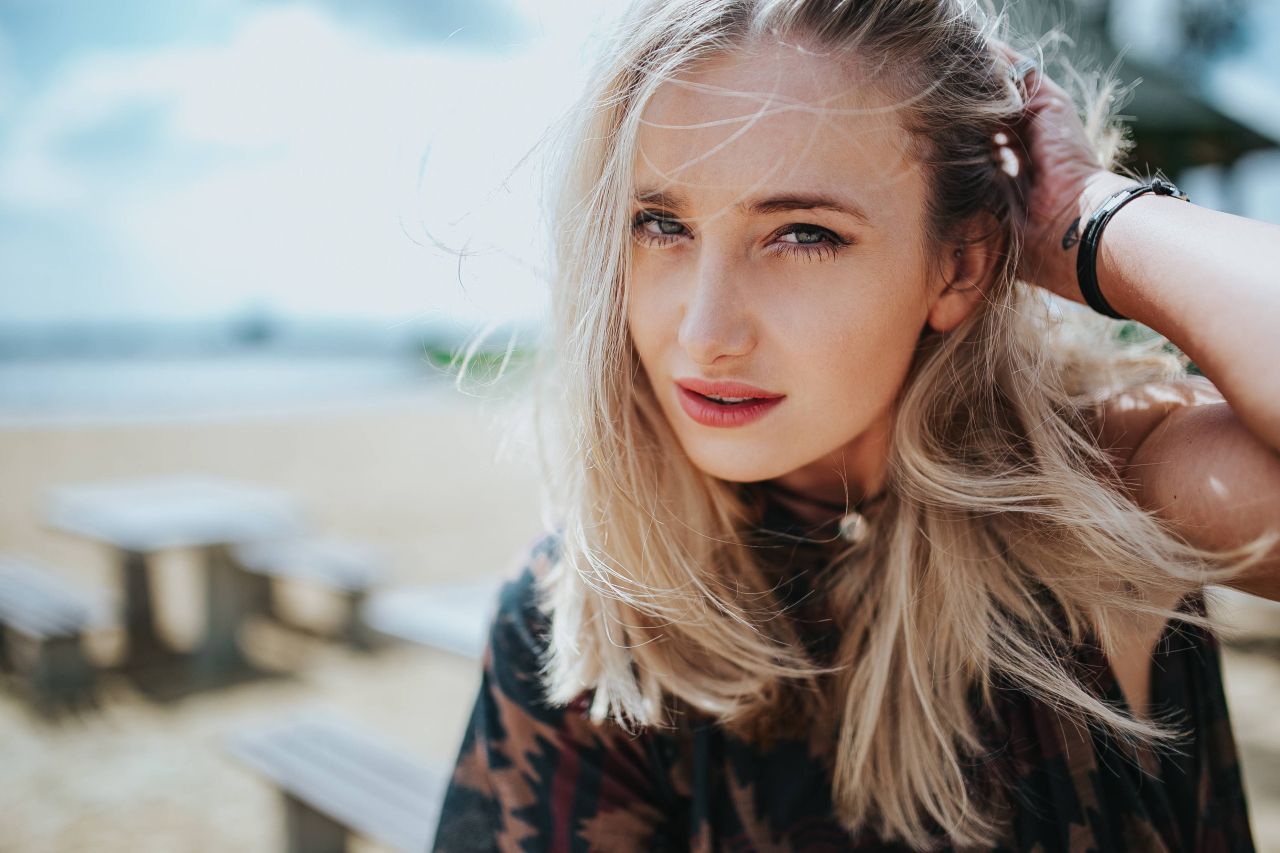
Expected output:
{"points": [[421, 477]]}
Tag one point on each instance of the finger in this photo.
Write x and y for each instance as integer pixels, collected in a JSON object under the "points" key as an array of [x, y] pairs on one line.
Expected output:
{"points": [[1011, 57], [1026, 71], [1003, 48]]}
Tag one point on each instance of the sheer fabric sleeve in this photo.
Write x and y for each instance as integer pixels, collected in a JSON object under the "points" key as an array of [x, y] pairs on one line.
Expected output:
{"points": [[532, 776]]}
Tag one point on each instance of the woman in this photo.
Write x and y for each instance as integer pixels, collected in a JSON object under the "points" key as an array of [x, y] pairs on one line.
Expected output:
{"points": [[862, 541]]}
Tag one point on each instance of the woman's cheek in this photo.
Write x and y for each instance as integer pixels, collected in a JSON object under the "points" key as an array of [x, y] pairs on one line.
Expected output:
{"points": [[648, 322]]}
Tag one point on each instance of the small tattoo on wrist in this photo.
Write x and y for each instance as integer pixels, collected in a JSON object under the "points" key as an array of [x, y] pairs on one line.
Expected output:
{"points": [[1072, 236]]}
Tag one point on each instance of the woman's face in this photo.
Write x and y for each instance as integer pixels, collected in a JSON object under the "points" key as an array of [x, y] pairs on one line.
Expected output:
{"points": [[785, 252]]}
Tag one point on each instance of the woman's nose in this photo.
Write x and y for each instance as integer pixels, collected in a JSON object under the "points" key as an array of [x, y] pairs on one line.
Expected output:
{"points": [[716, 319]]}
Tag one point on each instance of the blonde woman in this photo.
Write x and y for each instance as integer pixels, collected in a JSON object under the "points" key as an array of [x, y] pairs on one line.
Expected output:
{"points": [[870, 535]]}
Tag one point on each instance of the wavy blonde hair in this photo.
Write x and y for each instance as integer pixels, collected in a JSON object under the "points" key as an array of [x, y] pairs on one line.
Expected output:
{"points": [[997, 493]]}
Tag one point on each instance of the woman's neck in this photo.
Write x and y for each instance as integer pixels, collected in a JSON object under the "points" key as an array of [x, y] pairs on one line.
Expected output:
{"points": [[819, 511], [853, 476]]}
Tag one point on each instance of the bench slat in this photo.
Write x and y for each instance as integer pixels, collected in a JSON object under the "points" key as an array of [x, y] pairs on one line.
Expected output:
{"points": [[41, 623], [380, 772], [34, 601], [337, 562], [327, 791], [450, 616], [355, 748], [350, 777]]}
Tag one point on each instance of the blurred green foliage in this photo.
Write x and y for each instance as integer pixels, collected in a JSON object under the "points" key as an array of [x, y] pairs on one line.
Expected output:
{"points": [[483, 365], [1133, 331]]}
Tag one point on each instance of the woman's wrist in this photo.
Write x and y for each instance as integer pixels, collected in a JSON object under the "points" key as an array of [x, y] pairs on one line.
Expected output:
{"points": [[1053, 247], [1098, 189]]}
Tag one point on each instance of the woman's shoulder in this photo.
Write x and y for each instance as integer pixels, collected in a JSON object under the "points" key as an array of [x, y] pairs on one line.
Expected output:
{"points": [[1122, 420], [528, 570], [519, 629], [535, 774]]}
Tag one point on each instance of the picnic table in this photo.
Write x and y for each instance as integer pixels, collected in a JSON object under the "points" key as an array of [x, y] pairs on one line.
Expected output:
{"points": [[137, 518]]}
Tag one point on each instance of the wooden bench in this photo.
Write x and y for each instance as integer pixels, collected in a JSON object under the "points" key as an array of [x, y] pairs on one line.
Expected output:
{"points": [[42, 623], [348, 568], [453, 616], [337, 782]]}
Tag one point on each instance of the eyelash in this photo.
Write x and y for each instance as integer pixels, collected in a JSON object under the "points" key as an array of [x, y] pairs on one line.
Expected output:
{"points": [[811, 251]]}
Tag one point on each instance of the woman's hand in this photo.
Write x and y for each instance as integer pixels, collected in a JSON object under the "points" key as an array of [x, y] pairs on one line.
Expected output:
{"points": [[1063, 179]]}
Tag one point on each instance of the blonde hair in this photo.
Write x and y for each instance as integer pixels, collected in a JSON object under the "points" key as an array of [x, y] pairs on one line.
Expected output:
{"points": [[1006, 537]]}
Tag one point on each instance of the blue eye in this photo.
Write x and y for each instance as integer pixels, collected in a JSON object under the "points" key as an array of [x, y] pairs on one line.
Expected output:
{"points": [[662, 236], [812, 242], [807, 232]]}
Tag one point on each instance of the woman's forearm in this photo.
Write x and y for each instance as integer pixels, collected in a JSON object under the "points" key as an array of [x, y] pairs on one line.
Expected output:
{"points": [[1206, 280]]}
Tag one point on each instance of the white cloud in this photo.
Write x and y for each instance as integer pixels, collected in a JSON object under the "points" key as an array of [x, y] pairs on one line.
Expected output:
{"points": [[319, 132]]}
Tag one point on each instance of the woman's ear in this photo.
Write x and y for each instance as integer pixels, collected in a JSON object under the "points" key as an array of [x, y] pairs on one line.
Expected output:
{"points": [[965, 272]]}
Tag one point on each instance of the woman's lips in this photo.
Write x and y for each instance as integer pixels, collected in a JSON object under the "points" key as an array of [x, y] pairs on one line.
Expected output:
{"points": [[709, 413], [723, 388]]}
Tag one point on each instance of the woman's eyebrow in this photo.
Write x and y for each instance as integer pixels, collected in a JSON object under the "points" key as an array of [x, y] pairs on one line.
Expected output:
{"points": [[808, 201], [773, 204]]}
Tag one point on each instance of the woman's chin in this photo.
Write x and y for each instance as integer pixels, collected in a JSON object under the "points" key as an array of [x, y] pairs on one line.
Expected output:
{"points": [[738, 468]]}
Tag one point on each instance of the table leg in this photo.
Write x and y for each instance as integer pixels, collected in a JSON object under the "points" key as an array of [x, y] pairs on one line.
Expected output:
{"points": [[144, 641], [227, 595]]}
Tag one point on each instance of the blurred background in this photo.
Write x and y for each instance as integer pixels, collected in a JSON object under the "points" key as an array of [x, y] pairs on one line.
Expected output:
{"points": [[250, 523]]}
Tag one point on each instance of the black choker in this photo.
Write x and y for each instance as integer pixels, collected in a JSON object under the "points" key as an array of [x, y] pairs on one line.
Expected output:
{"points": [[852, 524]]}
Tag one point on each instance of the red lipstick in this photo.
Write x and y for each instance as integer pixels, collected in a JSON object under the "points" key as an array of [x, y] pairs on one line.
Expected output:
{"points": [[725, 404]]}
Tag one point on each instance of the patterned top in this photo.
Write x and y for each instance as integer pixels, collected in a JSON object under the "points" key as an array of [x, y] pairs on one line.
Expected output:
{"points": [[532, 777]]}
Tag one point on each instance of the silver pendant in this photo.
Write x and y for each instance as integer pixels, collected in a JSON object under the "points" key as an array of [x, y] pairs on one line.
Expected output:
{"points": [[854, 527]]}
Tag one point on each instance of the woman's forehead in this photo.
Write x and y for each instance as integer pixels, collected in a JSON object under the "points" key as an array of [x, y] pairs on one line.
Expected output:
{"points": [[775, 117]]}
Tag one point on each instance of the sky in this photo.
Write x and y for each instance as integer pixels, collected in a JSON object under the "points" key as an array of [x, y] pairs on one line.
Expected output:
{"points": [[199, 159], [308, 158]]}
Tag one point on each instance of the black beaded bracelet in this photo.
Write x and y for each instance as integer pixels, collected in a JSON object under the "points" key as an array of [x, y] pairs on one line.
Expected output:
{"points": [[1087, 254]]}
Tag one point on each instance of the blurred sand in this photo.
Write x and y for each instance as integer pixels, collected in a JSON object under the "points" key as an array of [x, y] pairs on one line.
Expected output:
{"points": [[420, 478]]}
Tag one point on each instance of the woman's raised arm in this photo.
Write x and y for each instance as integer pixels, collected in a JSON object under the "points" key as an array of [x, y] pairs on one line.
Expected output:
{"points": [[1207, 281], [1210, 283]]}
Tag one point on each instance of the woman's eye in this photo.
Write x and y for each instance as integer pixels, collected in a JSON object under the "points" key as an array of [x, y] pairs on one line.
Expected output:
{"points": [[811, 241], [654, 229], [805, 236]]}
